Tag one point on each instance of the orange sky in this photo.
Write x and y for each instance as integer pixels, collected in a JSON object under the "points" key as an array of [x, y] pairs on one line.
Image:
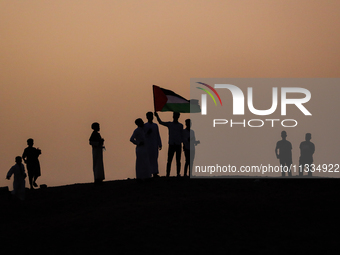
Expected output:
{"points": [[66, 64]]}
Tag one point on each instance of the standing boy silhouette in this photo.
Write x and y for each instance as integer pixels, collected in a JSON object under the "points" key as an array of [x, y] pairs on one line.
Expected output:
{"points": [[30, 157], [283, 151], [307, 149]]}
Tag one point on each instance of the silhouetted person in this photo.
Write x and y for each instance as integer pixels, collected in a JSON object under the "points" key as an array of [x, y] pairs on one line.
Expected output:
{"points": [[175, 141], [18, 170], [142, 157], [307, 149], [189, 143], [153, 143], [285, 153], [30, 157], [97, 143]]}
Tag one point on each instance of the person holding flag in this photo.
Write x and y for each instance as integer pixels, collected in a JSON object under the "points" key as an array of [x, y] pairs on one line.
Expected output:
{"points": [[168, 101], [175, 141]]}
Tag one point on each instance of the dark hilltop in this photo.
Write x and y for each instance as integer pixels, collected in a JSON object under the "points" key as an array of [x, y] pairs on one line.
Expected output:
{"points": [[175, 216]]}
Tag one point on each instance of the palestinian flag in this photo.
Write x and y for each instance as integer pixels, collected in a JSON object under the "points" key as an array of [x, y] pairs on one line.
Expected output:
{"points": [[168, 101]]}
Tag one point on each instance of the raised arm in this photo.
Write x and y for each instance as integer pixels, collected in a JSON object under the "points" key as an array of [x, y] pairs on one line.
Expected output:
{"points": [[159, 120]]}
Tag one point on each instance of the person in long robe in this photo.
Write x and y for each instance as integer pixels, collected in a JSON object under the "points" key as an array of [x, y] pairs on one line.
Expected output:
{"points": [[142, 157], [97, 143], [30, 157], [153, 143], [18, 170]]}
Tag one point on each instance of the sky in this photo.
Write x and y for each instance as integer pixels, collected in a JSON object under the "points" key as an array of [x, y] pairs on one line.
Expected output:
{"points": [[66, 64]]}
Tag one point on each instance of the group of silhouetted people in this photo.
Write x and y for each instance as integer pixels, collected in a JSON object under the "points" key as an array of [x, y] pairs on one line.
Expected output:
{"points": [[283, 151], [148, 142], [30, 157]]}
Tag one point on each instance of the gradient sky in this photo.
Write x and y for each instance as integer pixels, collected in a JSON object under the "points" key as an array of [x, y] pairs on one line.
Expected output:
{"points": [[65, 64]]}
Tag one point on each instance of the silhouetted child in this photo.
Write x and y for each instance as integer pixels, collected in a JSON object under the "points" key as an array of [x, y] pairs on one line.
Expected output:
{"points": [[97, 143], [285, 154], [307, 149], [30, 157], [18, 170], [189, 143]]}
